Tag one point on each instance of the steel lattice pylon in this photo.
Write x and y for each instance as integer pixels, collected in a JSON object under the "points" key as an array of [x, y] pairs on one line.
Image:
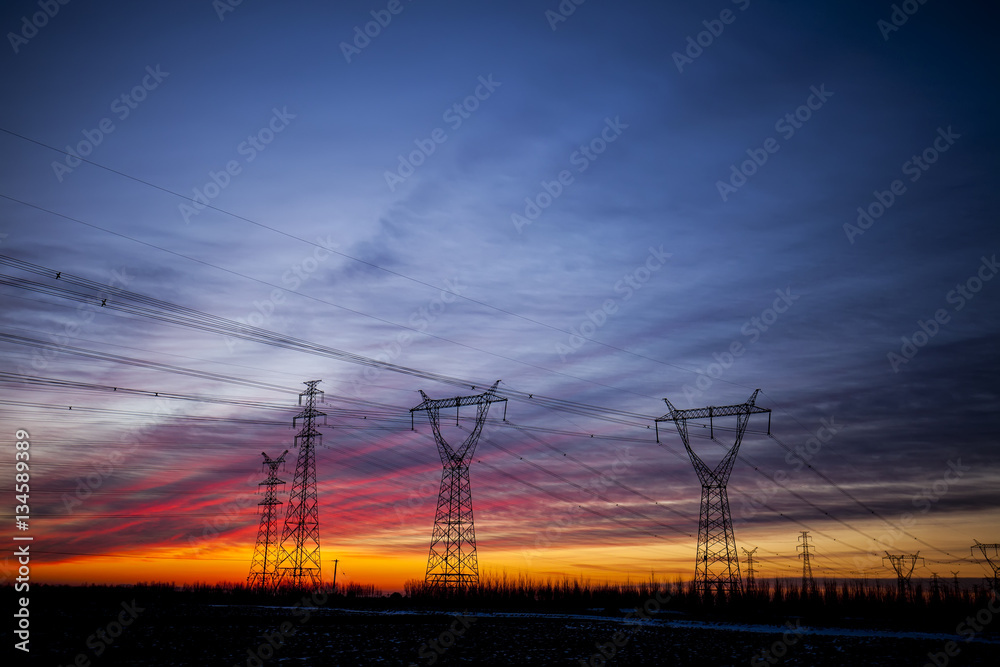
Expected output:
{"points": [[751, 580], [903, 565], [717, 564], [452, 561], [991, 557], [808, 583], [299, 565], [265, 554]]}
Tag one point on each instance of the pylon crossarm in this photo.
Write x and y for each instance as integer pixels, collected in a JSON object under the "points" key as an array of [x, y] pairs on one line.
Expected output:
{"points": [[489, 396], [712, 411], [994, 560]]}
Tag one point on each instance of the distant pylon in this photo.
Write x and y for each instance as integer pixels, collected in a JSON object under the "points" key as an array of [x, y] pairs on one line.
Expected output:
{"points": [[808, 583], [265, 553], [903, 564], [717, 565], [954, 580], [935, 585], [299, 563], [991, 557], [751, 579], [452, 561]]}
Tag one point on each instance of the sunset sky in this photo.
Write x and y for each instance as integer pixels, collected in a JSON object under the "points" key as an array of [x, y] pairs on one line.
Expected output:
{"points": [[598, 208]]}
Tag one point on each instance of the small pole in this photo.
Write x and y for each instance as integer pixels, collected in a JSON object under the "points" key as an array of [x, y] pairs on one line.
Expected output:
{"points": [[335, 561]]}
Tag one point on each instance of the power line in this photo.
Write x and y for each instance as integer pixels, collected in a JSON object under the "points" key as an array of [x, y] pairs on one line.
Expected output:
{"points": [[355, 259]]}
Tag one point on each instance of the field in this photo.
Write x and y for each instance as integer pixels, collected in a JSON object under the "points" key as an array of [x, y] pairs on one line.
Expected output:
{"points": [[154, 625]]}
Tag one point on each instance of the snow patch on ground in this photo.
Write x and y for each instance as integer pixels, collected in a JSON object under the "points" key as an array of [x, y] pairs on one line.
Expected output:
{"points": [[658, 622]]}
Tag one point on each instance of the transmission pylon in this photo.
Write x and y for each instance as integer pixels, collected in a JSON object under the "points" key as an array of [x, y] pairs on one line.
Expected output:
{"points": [[265, 554], [717, 565], [991, 557], [954, 580], [903, 564], [299, 564], [452, 561], [935, 585], [808, 583], [751, 579]]}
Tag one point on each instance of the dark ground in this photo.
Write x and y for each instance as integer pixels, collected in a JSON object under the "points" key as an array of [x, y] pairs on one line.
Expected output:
{"points": [[169, 631]]}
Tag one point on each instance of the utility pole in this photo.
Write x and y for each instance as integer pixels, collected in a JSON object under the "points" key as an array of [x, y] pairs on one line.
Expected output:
{"points": [[299, 563], [265, 554], [453, 561], [717, 564], [335, 561]]}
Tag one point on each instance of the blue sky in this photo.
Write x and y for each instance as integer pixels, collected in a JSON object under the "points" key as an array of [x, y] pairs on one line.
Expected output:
{"points": [[663, 269]]}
